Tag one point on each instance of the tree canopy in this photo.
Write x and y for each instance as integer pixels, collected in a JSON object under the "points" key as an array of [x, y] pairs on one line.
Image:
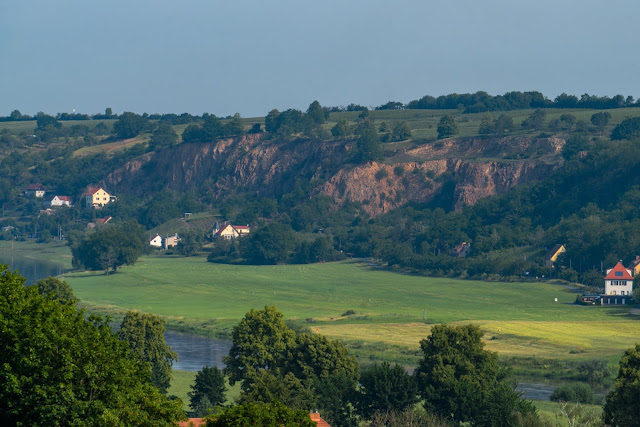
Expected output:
{"points": [[209, 386], [59, 368], [621, 407], [110, 247], [56, 289], [447, 127], [144, 333], [458, 378], [260, 414]]}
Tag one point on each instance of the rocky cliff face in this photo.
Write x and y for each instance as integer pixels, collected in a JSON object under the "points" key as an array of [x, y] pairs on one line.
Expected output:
{"points": [[470, 169]]}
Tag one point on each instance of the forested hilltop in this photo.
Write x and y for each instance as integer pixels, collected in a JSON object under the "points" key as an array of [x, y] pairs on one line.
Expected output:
{"points": [[511, 175]]}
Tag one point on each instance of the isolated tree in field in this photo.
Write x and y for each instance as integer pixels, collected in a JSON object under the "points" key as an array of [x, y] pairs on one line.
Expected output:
{"points": [[621, 407], [59, 368], [386, 388], [458, 378], [144, 333], [535, 120], [111, 246], [108, 112], [627, 129], [486, 125], [56, 289], [503, 125], [130, 125], [600, 119], [368, 143], [447, 127], [208, 385], [400, 131], [341, 129]]}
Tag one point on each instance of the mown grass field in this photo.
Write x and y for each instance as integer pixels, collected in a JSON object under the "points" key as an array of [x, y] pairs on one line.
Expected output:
{"points": [[392, 310]]}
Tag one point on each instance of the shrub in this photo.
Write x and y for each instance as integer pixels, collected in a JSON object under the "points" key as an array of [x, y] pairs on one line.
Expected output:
{"points": [[381, 174], [575, 393], [348, 313]]}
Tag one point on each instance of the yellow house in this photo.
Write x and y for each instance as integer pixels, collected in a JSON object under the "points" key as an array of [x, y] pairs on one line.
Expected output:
{"points": [[96, 197], [635, 266], [553, 254]]}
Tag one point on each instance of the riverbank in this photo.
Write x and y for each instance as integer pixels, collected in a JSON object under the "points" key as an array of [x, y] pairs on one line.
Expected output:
{"points": [[55, 252]]}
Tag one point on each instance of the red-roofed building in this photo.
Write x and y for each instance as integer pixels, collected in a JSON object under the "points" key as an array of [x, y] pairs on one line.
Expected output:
{"points": [[228, 231], [193, 422], [318, 419], [35, 190], [96, 197], [618, 281], [52, 201]]}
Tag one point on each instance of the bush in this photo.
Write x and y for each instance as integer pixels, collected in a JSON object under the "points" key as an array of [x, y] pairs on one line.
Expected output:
{"points": [[575, 393], [348, 313], [381, 174]]}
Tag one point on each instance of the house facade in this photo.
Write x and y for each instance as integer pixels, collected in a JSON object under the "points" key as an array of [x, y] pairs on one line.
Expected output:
{"points": [[35, 190], [618, 281], [53, 201], [553, 254], [156, 241], [171, 241], [97, 197], [228, 232]]}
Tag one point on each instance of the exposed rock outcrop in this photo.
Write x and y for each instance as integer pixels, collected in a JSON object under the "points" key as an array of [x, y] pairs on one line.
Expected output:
{"points": [[469, 168]]}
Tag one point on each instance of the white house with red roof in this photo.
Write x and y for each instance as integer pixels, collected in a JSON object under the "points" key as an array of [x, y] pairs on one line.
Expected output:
{"points": [[618, 281], [52, 201]]}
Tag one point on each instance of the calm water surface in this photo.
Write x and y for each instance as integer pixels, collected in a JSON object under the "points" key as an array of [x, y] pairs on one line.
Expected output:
{"points": [[32, 270]]}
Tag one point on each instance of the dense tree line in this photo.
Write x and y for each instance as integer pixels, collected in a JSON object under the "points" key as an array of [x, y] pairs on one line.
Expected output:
{"points": [[480, 102]]}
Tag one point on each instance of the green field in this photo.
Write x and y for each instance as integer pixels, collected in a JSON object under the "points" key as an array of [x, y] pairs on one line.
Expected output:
{"points": [[393, 311]]}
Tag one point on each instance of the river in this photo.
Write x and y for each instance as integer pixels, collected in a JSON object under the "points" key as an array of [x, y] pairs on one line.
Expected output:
{"points": [[196, 351]]}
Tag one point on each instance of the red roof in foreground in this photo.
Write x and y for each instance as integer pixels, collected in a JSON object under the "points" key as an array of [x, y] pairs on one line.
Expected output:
{"points": [[198, 422], [623, 274], [195, 422], [318, 419]]}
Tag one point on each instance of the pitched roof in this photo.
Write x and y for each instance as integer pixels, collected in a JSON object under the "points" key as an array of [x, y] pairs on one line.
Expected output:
{"points": [[618, 273], [64, 198], [34, 187], [553, 251], [91, 191], [318, 419], [195, 422], [635, 262], [241, 227]]}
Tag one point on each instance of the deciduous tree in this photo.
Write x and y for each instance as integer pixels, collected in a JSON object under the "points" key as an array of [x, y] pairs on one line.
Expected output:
{"points": [[621, 408], [56, 289], [144, 333], [386, 388], [458, 378], [447, 127], [59, 368]]}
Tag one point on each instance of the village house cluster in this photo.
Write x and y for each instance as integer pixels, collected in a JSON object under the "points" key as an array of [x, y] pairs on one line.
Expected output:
{"points": [[94, 197]]}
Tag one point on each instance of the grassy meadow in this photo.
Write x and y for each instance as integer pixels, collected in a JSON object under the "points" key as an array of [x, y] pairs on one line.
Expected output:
{"points": [[393, 312]]}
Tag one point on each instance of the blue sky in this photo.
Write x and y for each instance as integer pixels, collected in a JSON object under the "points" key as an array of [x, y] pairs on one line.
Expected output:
{"points": [[251, 56]]}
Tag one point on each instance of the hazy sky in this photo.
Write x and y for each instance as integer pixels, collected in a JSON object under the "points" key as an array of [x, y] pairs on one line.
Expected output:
{"points": [[251, 56]]}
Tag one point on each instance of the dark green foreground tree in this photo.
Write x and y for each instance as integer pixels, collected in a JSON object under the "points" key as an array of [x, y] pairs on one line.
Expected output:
{"points": [[259, 414], [208, 390], [622, 407], [56, 289], [58, 368], [144, 333], [460, 380]]}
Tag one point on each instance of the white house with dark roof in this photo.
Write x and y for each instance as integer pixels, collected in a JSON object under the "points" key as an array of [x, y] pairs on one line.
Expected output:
{"points": [[35, 190]]}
